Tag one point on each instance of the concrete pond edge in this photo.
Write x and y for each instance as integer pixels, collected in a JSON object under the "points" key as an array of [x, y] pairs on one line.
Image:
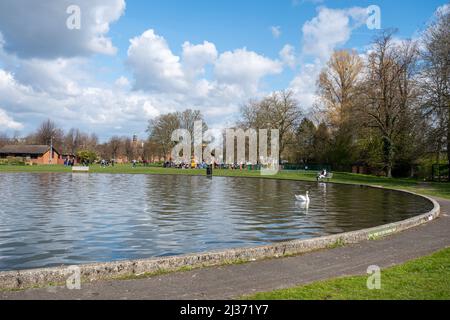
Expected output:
{"points": [[32, 278]]}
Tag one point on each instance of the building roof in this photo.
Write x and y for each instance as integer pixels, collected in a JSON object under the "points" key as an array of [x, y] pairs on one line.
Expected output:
{"points": [[25, 149]]}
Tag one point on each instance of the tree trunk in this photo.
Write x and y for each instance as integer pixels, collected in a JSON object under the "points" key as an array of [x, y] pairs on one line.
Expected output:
{"points": [[389, 171], [438, 152], [388, 156]]}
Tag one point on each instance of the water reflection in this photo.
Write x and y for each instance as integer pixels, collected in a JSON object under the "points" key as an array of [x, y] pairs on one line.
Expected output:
{"points": [[54, 219]]}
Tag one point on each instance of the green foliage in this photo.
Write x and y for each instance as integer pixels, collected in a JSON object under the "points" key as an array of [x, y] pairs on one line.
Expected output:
{"points": [[305, 141], [337, 244], [87, 156], [156, 164], [370, 150], [12, 161], [322, 140]]}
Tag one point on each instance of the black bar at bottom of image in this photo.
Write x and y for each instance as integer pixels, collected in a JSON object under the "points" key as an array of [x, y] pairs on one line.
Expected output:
{"points": [[239, 309]]}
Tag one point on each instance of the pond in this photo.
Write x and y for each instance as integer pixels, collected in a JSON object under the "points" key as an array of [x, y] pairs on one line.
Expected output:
{"points": [[54, 219]]}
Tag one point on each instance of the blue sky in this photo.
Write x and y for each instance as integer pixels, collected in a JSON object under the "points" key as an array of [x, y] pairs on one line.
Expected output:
{"points": [[231, 24], [133, 60]]}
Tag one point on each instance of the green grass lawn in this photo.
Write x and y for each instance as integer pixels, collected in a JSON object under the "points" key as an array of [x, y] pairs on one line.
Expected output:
{"points": [[427, 278], [427, 188]]}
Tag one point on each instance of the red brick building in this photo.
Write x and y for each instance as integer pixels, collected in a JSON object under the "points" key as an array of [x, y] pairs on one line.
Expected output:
{"points": [[32, 154]]}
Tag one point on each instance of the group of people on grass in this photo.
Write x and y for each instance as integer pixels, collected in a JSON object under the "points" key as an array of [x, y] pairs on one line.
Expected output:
{"points": [[134, 163], [106, 163], [185, 165], [204, 165], [69, 162]]}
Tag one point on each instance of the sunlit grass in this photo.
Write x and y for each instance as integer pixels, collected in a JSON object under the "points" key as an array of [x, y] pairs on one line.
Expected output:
{"points": [[422, 279]]}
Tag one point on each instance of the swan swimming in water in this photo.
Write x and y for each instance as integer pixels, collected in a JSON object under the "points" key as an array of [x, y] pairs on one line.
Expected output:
{"points": [[304, 199]]}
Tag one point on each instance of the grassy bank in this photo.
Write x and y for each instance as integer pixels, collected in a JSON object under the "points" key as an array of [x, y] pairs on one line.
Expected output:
{"points": [[421, 279], [427, 188]]}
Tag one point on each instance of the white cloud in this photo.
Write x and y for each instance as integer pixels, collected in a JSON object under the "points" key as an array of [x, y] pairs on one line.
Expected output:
{"points": [[329, 29], [122, 82], [304, 84], [287, 55], [157, 69], [52, 76], [245, 68], [46, 71], [112, 109], [150, 110], [153, 64], [92, 109], [7, 122], [196, 57], [37, 29], [158, 72], [322, 35], [276, 31]]}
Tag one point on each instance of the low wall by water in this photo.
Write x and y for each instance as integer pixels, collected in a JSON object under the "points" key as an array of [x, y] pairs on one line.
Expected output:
{"points": [[112, 270]]}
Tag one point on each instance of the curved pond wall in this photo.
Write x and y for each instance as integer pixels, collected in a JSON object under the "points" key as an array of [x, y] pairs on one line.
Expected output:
{"points": [[113, 270]]}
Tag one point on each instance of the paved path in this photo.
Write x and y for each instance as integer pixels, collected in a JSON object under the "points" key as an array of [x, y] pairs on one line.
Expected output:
{"points": [[233, 281]]}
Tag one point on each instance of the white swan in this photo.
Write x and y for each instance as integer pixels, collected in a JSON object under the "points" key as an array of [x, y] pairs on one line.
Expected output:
{"points": [[304, 199]]}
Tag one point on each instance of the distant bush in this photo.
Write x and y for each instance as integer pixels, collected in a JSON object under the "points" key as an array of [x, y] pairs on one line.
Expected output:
{"points": [[15, 161], [425, 168], [87, 156]]}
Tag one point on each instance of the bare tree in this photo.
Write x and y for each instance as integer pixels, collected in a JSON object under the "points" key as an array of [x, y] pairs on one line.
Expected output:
{"points": [[91, 142], [128, 148], [160, 129], [72, 141], [188, 118], [4, 139], [277, 111], [339, 87], [152, 151], [47, 133], [114, 145]]}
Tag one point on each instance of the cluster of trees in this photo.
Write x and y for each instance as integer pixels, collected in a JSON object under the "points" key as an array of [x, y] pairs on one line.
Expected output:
{"points": [[391, 109], [388, 111], [372, 106], [85, 146]]}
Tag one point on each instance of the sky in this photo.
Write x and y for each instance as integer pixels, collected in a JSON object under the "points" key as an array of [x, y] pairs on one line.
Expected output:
{"points": [[111, 65]]}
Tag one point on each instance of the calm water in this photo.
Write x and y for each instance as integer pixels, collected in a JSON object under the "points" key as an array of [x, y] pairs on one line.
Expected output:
{"points": [[54, 219]]}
